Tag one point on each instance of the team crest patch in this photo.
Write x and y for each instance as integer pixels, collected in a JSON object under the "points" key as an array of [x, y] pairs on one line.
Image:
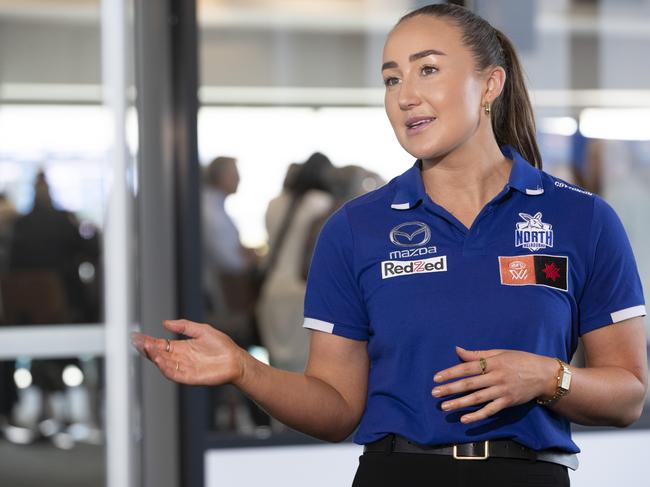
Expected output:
{"points": [[534, 270], [533, 234]]}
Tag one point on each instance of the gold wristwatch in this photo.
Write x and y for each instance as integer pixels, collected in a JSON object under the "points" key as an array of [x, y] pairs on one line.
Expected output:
{"points": [[563, 384]]}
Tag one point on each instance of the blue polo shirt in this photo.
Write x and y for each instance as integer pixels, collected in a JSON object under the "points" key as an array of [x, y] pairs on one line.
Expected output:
{"points": [[543, 263]]}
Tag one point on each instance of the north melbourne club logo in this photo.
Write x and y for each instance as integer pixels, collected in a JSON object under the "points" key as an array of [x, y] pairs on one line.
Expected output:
{"points": [[533, 234]]}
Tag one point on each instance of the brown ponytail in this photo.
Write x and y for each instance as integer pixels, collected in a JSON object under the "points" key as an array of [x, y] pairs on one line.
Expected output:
{"points": [[513, 121]]}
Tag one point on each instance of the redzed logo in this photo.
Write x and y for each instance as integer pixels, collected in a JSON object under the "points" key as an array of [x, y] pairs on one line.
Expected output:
{"points": [[395, 268]]}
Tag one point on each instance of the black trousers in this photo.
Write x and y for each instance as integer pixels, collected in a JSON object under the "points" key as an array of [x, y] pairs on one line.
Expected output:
{"points": [[379, 469]]}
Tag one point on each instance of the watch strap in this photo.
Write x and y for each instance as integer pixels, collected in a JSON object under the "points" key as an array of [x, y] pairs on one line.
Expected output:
{"points": [[559, 391]]}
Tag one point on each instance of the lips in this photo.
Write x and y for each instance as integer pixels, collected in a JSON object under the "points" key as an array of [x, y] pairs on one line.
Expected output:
{"points": [[418, 124]]}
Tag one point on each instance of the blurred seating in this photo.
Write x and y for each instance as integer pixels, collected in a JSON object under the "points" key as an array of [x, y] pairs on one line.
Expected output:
{"points": [[33, 297]]}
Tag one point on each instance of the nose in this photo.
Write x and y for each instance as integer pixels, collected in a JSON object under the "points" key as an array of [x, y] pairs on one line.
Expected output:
{"points": [[408, 95]]}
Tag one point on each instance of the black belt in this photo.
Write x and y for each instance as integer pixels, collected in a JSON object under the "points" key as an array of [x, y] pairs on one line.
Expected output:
{"points": [[476, 450]]}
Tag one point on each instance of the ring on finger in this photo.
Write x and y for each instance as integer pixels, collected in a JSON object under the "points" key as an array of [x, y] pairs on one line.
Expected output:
{"points": [[483, 363], [168, 347]]}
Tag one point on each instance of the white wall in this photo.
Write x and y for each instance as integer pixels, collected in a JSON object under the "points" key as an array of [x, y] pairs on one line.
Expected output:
{"points": [[286, 466], [606, 459]]}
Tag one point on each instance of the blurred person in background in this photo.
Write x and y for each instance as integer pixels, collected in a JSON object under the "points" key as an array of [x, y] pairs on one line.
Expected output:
{"points": [[7, 388], [311, 193], [405, 276], [348, 182], [44, 286], [53, 242], [229, 281], [305, 198], [8, 215], [229, 267], [587, 164]]}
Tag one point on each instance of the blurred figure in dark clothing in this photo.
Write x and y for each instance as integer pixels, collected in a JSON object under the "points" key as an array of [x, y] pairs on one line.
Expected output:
{"points": [[49, 240], [8, 215], [52, 278]]}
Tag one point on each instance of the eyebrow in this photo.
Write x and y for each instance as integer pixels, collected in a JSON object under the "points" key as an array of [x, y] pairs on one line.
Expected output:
{"points": [[414, 57]]}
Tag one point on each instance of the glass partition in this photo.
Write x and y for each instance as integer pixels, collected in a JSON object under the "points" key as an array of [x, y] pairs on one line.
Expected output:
{"points": [[58, 138], [53, 185]]}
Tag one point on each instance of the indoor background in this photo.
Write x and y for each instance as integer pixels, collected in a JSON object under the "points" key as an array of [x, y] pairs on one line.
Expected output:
{"points": [[111, 110]]}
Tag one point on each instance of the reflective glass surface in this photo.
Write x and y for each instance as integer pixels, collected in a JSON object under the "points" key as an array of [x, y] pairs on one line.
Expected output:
{"points": [[53, 145]]}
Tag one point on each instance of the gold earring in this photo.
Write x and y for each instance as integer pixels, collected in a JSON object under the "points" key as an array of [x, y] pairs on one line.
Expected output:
{"points": [[487, 107]]}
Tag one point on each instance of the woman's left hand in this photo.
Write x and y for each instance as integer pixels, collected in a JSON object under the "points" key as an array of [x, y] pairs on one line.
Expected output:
{"points": [[511, 377]]}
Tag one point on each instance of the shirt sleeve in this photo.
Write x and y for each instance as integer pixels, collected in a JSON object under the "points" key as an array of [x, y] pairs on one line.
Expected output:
{"points": [[613, 290], [333, 299]]}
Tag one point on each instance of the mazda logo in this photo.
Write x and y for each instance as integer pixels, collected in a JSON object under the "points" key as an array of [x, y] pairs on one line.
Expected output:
{"points": [[410, 234]]}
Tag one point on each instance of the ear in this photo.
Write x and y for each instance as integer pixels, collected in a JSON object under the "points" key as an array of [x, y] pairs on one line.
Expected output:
{"points": [[494, 83]]}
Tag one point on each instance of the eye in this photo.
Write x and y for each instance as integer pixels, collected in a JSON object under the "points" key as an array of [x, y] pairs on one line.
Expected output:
{"points": [[390, 81], [427, 70]]}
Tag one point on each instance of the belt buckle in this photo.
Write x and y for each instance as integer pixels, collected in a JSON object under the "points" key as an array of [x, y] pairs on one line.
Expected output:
{"points": [[486, 452]]}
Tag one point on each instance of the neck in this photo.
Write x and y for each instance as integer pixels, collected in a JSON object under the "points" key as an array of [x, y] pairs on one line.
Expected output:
{"points": [[470, 175]]}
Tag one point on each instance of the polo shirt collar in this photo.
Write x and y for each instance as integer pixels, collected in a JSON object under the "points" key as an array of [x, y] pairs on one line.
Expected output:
{"points": [[523, 177], [410, 190]]}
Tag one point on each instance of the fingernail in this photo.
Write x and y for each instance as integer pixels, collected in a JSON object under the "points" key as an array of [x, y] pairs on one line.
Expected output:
{"points": [[464, 419], [437, 378], [461, 348], [446, 406], [436, 391]]}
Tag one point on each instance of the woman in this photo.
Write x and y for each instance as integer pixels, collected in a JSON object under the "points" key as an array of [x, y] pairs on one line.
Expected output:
{"points": [[306, 197], [474, 246]]}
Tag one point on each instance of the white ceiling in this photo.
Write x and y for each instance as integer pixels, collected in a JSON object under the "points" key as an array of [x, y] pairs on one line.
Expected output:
{"points": [[353, 15]]}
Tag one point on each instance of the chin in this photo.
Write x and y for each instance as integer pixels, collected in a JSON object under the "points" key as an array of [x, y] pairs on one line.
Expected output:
{"points": [[432, 149], [422, 146], [423, 151]]}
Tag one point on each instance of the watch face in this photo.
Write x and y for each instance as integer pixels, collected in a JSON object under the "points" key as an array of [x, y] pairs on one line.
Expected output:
{"points": [[566, 381]]}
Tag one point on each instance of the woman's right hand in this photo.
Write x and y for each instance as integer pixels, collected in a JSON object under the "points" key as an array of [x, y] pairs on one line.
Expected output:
{"points": [[208, 357]]}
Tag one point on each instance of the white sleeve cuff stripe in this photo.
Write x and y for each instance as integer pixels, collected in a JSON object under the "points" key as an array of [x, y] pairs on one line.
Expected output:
{"points": [[626, 313], [319, 325]]}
